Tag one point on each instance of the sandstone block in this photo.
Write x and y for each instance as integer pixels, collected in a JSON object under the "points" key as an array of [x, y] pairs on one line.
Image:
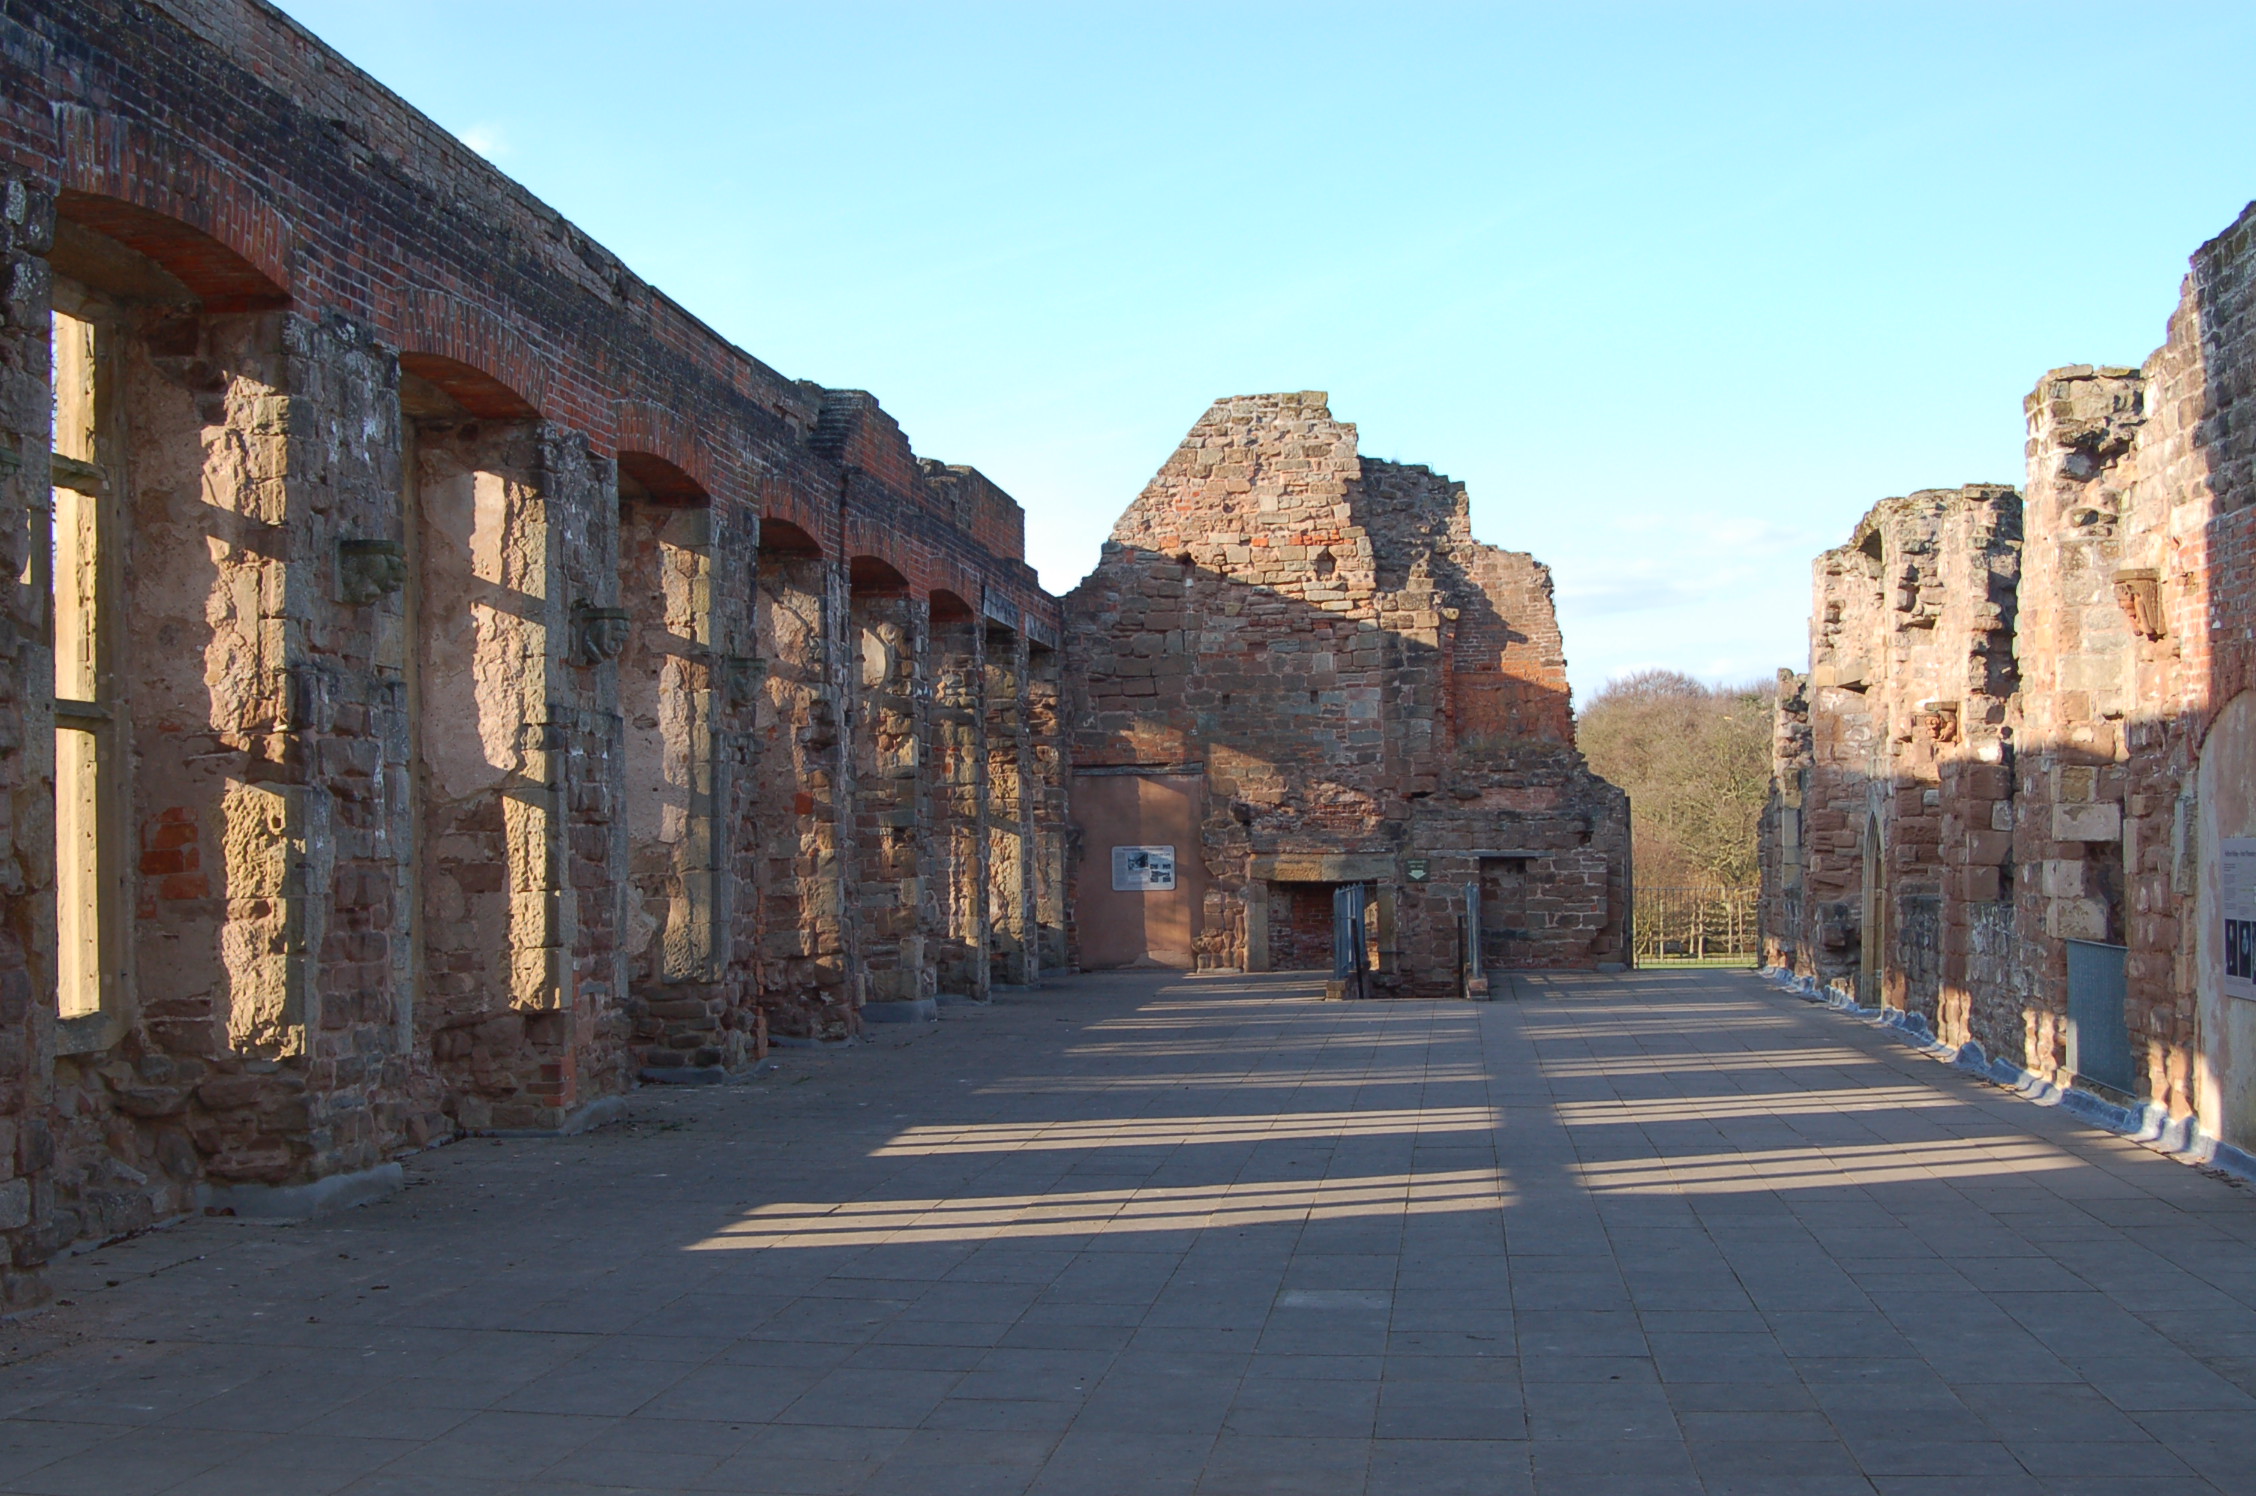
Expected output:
{"points": [[1989, 848], [2076, 919], [2097, 822]]}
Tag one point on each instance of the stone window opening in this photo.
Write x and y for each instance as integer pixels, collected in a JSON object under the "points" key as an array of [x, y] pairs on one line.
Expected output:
{"points": [[75, 560], [1324, 565], [801, 725], [169, 490], [490, 978], [668, 714]]}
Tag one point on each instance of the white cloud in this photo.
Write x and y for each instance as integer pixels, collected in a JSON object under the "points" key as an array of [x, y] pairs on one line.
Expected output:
{"points": [[486, 139]]}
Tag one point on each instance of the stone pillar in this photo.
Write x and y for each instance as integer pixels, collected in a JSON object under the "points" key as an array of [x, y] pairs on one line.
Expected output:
{"points": [[351, 725], [1010, 879], [891, 698], [958, 783], [799, 797], [739, 673], [1047, 808], [26, 835]]}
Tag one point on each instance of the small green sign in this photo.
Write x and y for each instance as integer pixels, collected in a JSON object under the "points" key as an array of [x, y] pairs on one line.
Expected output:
{"points": [[1418, 869]]}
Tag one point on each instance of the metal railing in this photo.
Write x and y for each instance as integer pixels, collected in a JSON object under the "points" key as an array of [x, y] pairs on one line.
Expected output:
{"points": [[1688, 926]]}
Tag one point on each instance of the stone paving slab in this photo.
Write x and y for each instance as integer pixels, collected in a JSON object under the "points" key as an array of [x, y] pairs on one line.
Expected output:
{"points": [[1661, 1232]]}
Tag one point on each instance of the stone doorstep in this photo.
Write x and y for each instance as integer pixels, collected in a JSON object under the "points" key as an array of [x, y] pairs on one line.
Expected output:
{"points": [[2146, 1123]]}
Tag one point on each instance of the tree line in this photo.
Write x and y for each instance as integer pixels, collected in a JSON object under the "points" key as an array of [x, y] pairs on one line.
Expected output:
{"points": [[1695, 761]]}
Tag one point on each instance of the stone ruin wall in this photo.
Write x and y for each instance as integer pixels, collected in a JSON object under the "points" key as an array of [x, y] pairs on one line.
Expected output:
{"points": [[1893, 739], [2102, 645], [468, 685], [1315, 640]]}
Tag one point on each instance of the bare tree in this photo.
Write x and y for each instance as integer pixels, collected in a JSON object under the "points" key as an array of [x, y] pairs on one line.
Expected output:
{"points": [[1695, 760]]}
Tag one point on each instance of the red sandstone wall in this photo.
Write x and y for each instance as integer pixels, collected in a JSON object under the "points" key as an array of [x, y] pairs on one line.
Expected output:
{"points": [[2119, 746], [333, 960], [1357, 681]]}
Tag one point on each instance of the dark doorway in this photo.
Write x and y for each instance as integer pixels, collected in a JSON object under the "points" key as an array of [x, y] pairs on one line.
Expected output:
{"points": [[1503, 911], [1300, 926]]}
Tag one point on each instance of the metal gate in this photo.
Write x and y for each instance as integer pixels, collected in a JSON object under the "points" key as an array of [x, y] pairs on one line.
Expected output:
{"points": [[1469, 942], [1696, 926], [1351, 950], [2099, 1045]]}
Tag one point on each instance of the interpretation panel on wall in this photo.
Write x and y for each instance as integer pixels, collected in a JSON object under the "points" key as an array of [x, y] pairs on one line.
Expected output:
{"points": [[2239, 888], [1143, 869]]}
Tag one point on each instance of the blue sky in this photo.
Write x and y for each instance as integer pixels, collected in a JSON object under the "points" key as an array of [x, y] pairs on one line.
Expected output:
{"points": [[1678, 291]]}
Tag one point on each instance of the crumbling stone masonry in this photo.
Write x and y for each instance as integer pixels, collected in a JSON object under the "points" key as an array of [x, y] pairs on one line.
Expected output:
{"points": [[445, 682], [1890, 747], [2016, 787], [1298, 671]]}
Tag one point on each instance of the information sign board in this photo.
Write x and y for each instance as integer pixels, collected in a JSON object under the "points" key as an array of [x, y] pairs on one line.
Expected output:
{"points": [[2238, 885], [1143, 869]]}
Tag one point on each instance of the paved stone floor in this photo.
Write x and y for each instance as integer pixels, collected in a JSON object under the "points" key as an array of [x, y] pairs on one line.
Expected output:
{"points": [[1132, 1234]]}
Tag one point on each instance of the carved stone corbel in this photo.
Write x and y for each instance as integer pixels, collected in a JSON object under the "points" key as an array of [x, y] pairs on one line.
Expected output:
{"points": [[2138, 589], [370, 570], [744, 675], [599, 633]]}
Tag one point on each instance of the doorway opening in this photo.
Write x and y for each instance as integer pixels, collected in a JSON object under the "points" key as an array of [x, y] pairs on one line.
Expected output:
{"points": [[1503, 912], [1312, 924], [1868, 926]]}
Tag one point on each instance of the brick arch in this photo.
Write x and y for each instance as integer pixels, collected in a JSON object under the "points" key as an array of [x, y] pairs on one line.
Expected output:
{"points": [[663, 453], [872, 539], [213, 234], [785, 504], [471, 354], [663, 481], [950, 577], [874, 576], [780, 537]]}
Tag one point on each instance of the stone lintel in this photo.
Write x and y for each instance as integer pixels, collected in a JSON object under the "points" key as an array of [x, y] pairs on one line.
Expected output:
{"points": [[1318, 867]]}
